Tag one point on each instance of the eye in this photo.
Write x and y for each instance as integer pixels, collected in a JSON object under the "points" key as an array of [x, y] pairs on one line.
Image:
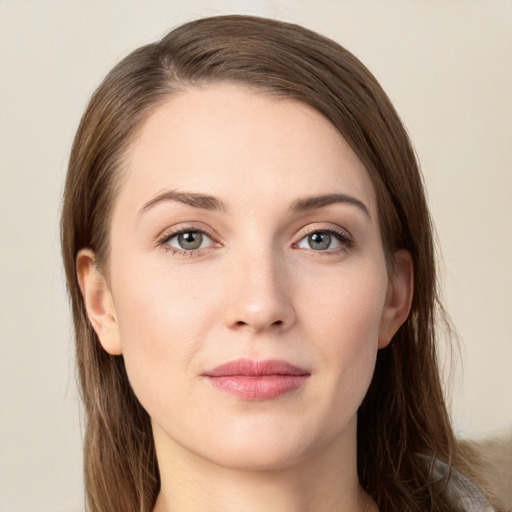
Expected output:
{"points": [[188, 240], [324, 240]]}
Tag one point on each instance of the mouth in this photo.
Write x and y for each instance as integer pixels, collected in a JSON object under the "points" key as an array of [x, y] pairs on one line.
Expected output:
{"points": [[257, 380]]}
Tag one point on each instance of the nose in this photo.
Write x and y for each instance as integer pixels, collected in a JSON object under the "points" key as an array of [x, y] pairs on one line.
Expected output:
{"points": [[259, 294]]}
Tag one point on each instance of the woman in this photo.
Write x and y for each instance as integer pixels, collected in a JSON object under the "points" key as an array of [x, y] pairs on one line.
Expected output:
{"points": [[250, 260]]}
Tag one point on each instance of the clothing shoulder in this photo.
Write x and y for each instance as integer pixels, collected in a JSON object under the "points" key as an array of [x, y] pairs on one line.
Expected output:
{"points": [[461, 492]]}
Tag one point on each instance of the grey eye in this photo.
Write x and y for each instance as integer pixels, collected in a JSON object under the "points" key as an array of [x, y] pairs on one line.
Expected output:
{"points": [[189, 240], [320, 241]]}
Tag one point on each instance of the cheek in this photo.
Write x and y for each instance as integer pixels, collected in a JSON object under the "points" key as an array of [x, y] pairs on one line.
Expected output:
{"points": [[344, 321], [348, 303], [163, 319]]}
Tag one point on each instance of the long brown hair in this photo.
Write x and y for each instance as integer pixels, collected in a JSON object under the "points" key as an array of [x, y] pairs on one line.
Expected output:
{"points": [[403, 422]]}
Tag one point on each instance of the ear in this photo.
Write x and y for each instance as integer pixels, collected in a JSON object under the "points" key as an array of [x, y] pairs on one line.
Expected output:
{"points": [[398, 298], [98, 301]]}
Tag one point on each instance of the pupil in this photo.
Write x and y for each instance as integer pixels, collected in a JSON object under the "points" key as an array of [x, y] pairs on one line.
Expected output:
{"points": [[319, 241], [190, 240]]}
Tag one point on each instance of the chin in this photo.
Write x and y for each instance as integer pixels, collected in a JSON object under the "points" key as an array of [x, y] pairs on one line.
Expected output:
{"points": [[259, 456], [254, 446]]}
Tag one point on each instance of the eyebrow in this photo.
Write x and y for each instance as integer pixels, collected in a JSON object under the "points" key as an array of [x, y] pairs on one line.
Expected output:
{"points": [[208, 202], [313, 202], [196, 200]]}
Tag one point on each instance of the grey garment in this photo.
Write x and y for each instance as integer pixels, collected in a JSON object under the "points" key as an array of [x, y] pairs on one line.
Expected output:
{"points": [[461, 492]]}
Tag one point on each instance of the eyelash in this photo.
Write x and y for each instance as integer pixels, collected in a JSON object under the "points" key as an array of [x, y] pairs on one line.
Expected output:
{"points": [[164, 242], [345, 240]]}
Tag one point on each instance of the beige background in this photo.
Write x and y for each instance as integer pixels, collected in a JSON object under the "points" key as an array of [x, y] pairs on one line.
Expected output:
{"points": [[445, 63]]}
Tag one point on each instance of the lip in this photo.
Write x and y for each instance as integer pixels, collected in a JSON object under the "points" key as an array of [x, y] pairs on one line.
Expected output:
{"points": [[257, 380]]}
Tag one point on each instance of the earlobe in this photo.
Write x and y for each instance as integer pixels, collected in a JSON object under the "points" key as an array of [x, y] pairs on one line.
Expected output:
{"points": [[398, 299], [98, 301]]}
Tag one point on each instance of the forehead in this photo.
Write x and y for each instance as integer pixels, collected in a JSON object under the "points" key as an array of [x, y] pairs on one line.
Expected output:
{"points": [[243, 145]]}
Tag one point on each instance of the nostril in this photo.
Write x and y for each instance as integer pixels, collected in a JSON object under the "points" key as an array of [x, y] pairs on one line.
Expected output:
{"points": [[241, 323]]}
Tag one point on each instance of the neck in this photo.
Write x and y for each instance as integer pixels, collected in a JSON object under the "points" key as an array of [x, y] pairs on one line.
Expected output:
{"points": [[326, 481]]}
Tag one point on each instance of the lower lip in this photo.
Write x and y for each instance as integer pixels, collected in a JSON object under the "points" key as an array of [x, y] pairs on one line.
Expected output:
{"points": [[264, 387]]}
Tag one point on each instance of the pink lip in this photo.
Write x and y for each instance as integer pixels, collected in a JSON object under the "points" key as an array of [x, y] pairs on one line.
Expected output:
{"points": [[257, 380]]}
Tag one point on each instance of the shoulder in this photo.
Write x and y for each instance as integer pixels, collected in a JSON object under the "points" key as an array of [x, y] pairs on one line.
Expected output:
{"points": [[461, 492]]}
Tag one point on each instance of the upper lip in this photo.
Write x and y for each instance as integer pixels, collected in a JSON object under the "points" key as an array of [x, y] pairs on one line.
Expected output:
{"points": [[251, 368]]}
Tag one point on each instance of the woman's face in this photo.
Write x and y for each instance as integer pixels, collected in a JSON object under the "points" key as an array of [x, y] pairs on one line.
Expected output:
{"points": [[247, 285]]}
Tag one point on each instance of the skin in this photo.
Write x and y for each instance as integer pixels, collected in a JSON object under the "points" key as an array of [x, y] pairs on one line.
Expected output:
{"points": [[256, 288]]}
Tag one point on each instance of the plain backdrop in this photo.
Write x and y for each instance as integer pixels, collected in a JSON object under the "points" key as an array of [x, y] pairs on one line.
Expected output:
{"points": [[447, 66]]}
